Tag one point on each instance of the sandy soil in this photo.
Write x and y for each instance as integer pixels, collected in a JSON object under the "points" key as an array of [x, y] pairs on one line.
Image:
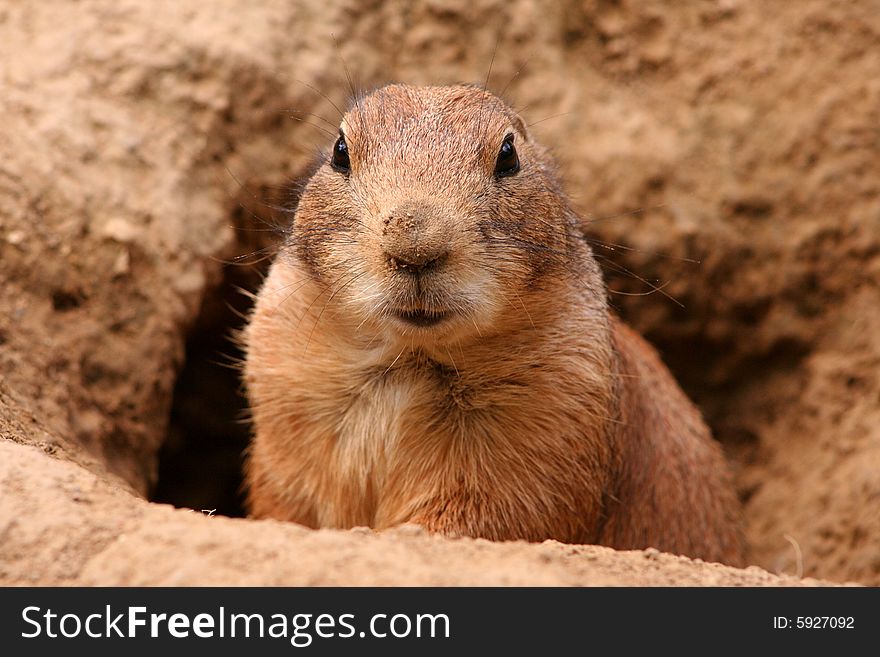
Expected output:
{"points": [[61, 525], [742, 135]]}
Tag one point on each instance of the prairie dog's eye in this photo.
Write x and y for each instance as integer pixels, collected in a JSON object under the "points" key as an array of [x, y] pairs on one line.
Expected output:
{"points": [[507, 163], [339, 160]]}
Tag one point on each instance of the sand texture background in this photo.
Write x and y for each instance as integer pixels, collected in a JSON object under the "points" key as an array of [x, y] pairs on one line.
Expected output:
{"points": [[142, 142]]}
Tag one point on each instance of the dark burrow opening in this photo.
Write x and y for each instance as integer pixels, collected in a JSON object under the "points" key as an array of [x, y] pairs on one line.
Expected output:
{"points": [[201, 461]]}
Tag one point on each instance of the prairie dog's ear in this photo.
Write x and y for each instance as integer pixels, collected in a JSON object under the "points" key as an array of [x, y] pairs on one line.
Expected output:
{"points": [[520, 126]]}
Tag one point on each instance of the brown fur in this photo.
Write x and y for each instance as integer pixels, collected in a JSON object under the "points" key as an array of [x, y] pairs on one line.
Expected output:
{"points": [[530, 412]]}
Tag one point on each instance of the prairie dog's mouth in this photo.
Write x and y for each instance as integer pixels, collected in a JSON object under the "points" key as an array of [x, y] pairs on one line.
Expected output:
{"points": [[421, 317]]}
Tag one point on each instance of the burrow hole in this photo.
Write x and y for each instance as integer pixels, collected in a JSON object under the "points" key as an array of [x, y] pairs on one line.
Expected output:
{"points": [[202, 458]]}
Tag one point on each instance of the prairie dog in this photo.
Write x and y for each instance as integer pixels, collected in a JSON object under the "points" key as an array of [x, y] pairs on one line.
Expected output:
{"points": [[433, 345]]}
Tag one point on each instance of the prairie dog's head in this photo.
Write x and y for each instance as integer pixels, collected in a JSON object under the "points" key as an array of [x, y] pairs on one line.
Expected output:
{"points": [[434, 216]]}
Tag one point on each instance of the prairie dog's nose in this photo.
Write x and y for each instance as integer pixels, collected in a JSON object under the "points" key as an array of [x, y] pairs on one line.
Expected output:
{"points": [[416, 261], [415, 238]]}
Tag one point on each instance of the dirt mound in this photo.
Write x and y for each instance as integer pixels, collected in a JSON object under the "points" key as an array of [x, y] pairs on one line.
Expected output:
{"points": [[138, 141], [63, 526]]}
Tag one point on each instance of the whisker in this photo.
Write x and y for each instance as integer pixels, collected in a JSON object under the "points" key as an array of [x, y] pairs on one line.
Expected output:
{"points": [[323, 95], [621, 269], [547, 118], [351, 87], [515, 75], [394, 362], [611, 246], [590, 220], [299, 285], [480, 132], [332, 135], [639, 294], [293, 110], [238, 261], [522, 303], [271, 226], [326, 304], [452, 360]]}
